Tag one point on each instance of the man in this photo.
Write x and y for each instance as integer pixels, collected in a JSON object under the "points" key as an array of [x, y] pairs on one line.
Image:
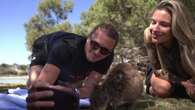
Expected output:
{"points": [[69, 58]]}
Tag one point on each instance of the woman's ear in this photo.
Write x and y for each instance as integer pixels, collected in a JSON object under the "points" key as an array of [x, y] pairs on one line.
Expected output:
{"points": [[147, 35]]}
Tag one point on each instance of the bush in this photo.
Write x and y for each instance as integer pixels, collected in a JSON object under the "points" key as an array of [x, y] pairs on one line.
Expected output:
{"points": [[7, 71], [22, 67]]}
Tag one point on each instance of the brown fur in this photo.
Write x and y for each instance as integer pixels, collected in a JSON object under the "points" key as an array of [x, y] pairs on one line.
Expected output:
{"points": [[122, 85]]}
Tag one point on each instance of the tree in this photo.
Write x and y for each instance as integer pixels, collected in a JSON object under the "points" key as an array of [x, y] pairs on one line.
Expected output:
{"points": [[190, 4], [51, 16], [130, 17]]}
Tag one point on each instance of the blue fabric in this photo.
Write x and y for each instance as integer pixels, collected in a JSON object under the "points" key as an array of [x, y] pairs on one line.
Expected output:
{"points": [[12, 102]]}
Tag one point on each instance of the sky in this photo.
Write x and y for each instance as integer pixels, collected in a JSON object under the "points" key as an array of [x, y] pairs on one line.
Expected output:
{"points": [[13, 15]]}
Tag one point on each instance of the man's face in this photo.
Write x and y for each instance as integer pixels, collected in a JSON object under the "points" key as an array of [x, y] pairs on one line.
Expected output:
{"points": [[98, 46]]}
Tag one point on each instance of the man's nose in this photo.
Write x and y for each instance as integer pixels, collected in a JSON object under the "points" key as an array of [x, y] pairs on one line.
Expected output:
{"points": [[97, 51]]}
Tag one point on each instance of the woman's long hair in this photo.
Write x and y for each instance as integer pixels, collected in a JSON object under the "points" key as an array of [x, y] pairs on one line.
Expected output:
{"points": [[183, 30], [183, 25]]}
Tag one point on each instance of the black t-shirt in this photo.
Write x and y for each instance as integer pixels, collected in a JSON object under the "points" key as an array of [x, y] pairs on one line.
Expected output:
{"points": [[172, 60], [67, 53]]}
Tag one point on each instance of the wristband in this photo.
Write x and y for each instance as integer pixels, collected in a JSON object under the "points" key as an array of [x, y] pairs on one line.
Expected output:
{"points": [[77, 91]]}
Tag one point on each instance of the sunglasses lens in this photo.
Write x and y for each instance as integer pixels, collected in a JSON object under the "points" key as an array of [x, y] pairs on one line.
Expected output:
{"points": [[104, 51], [96, 46]]}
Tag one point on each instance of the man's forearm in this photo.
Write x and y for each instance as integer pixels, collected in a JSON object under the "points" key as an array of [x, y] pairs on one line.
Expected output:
{"points": [[33, 74], [84, 92], [89, 84]]}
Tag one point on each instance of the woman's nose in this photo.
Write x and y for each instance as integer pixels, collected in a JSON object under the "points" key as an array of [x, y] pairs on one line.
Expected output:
{"points": [[156, 27]]}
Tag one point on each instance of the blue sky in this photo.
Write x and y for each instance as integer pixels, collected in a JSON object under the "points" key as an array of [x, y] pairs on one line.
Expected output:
{"points": [[13, 15]]}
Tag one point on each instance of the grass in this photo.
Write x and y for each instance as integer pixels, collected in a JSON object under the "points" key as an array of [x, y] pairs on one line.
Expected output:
{"points": [[5, 87], [154, 103], [146, 102]]}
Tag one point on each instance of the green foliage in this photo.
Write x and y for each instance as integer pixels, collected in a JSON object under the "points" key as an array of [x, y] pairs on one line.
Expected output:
{"points": [[128, 16], [3, 65], [190, 4], [14, 69], [51, 16], [5, 87], [79, 29], [7, 71], [22, 67]]}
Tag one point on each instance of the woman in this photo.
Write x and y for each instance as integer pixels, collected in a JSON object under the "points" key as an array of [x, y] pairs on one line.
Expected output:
{"points": [[170, 43]]}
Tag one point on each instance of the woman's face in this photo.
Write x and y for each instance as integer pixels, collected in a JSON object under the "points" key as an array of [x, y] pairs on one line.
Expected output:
{"points": [[160, 27]]}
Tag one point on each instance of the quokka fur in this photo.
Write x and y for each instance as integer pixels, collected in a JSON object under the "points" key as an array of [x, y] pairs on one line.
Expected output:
{"points": [[122, 85]]}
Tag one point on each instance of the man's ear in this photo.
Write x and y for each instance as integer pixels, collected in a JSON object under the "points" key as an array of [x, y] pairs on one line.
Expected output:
{"points": [[147, 36]]}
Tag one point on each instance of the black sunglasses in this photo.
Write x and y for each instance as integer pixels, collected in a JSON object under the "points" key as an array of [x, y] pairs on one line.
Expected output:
{"points": [[95, 45]]}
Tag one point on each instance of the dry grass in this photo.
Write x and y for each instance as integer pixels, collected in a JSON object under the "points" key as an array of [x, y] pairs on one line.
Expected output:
{"points": [[5, 87], [154, 103]]}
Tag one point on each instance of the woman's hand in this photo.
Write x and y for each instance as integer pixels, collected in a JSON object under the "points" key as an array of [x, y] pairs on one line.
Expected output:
{"points": [[159, 87]]}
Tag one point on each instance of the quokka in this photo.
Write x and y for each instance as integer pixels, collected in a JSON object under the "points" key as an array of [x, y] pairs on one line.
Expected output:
{"points": [[122, 85]]}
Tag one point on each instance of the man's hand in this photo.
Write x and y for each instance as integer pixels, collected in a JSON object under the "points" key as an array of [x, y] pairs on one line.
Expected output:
{"points": [[34, 98], [190, 88], [163, 74], [41, 93]]}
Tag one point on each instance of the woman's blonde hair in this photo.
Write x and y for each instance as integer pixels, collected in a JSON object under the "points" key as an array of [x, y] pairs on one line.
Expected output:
{"points": [[183, 25]]}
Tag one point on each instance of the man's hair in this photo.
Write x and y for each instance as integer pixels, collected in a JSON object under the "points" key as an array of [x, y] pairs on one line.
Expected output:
{"points": [[108, 29]]}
